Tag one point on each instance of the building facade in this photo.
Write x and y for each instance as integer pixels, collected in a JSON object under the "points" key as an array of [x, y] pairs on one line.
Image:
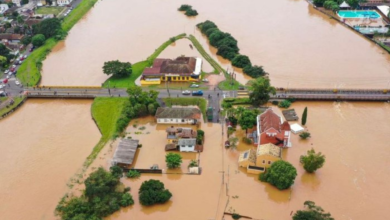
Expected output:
{"points": [[257, 161], [181, 69], [63, 2], [178, 115]]}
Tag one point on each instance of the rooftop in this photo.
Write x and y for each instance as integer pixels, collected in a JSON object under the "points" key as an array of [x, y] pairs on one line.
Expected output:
{"points": [[180, 65], [178, 112], [125, 151], [269, 149], [187, 141], [269, 120]]}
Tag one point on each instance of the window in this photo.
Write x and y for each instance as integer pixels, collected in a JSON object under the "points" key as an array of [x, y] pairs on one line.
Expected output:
{"points": [[182, 120], [165, 120], [269, 162], [171, 119], [263, 161]]}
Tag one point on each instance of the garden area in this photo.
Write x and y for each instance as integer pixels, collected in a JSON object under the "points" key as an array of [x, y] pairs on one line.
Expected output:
{"points": [[49, 10]]}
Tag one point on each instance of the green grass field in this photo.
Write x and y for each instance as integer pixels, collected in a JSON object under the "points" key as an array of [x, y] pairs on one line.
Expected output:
{"points": [[49, 10], [105, 112], [17, 100], [138, 68], [226, 85], [200, 102]]}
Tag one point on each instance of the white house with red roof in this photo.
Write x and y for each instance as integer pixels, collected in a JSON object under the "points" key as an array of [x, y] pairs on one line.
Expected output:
{"points": [[272, 130]]}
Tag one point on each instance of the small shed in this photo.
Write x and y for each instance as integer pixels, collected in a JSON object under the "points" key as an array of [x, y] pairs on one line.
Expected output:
{"points": [[125, 152], [296, 128], [187, 144], [344, 5]]}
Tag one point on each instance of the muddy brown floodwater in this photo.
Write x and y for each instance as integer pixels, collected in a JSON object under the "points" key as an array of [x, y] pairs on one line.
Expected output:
{"points": [[43, 144], [351, 185], [297, 45]]}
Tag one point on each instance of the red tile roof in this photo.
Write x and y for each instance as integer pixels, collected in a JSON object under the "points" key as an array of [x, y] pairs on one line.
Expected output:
{"points": [[269, 120], [285, 126]]}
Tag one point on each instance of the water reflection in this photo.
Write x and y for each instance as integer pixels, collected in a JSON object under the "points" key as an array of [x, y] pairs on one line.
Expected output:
{"points": [[311, 179]]}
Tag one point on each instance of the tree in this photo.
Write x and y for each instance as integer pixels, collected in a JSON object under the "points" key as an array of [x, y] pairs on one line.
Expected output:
{"points": [[48, 27], [153, 192], [191, 12], [38, 40], [7, 25], [116, 171], [117, 68], [173, 160], [284, 104], [215, 37], [304, 135], [26, 40], [15, 14], [304, 116], [20, 19], [233, 143], [184, 7], [312, 212], [226, 52], [280, 174], [204, 26], [254, 71], [5, 52], [247, 120], [241, 61], [3, 60], [260, 91], [210, 31], [17, 30], [133, 174], [126, 200], [312, 161], [24, 2], [193, 163]]}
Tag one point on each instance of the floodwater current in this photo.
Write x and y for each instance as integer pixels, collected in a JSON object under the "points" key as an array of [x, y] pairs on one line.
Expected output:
{"points": [[45, 142]]}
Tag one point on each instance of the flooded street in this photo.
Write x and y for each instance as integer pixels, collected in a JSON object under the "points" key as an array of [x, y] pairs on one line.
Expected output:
{"points": [[297, 45], [356, 166], [43, 144]]}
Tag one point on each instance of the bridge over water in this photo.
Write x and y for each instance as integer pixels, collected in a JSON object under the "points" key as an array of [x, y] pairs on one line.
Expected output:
{"points": [[298, 94]]}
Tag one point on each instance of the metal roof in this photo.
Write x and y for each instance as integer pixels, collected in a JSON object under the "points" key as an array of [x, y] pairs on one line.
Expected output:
{"points": [[125, 151]]}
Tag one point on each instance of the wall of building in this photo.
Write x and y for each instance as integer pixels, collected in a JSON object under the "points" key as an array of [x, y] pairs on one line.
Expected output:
{"points": [[186, 148], [265, 160], [175, 121], [245, 163]]}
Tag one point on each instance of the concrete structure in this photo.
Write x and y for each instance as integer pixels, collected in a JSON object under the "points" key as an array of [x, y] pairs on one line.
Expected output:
{"points": [[182, 139], [257, 161], [3, 8], [178, 115], [272, 129], [344, 5], [296, 128], [182, 69]]}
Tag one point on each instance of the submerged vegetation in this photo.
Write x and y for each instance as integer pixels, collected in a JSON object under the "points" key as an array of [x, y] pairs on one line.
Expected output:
{"points": [[281, 174], [228, 48], [312, 212], [102, 196], [188, 10], [153, 192]]}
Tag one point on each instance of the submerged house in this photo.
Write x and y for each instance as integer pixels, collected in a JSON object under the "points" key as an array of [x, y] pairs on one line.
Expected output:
{"points": [[272, 130], [178, 115], [181, 69], [182, 139], [257, 161]]}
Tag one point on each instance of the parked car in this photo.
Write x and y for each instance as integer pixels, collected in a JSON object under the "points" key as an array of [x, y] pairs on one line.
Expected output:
{"points": [[241, 88], [31, 49], [5, 81], [197, 93], [6, 71], [186, 92], [1, 86], [21, 58], [12, 69], [25, 56], [205, 80], [17, 82], [194, 86]]}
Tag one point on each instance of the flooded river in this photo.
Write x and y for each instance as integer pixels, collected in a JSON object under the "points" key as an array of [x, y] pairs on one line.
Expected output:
{"points": [[43, 144], [297, 45]]}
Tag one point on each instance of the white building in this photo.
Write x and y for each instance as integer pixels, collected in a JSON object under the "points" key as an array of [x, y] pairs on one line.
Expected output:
{"points": [[17, 2], [63, 2], [3, 8], [187, 144], [178, 115]]}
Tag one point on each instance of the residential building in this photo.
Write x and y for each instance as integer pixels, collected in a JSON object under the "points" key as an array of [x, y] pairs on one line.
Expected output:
{"points": [[10, 38], [187, 144], [272, 129], [17, 2], [257, 161], [182, 139], [3, 8], [178, 115], [181, 69], [63, 2]]}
